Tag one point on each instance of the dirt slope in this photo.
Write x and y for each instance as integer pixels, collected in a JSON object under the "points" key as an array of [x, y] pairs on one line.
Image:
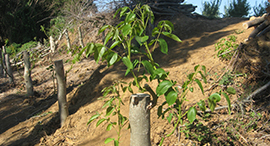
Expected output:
{"points": [[35, 121]]}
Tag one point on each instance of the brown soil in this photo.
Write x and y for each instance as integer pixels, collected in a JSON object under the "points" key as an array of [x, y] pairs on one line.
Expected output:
{"points": [[35, 120]]}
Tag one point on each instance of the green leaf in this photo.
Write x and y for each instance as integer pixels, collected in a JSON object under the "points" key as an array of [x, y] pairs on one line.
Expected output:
{"points": [[163, 46], [108, 37], [172, 36], [123, 10], [215, 97], [108, 103], [115, 14], [128, 64], [169, 23], [126, 30], [99, 52], [160, 73], [108, 140], [109, 111], [204, 69], [196, 67], [141, 40], [113, 59], [212, 100], [163, 87], [191, 115], [200, 85], [201, 105], [203, 76], [116, 43], [190, 76], [100, 121], [109, 127], [171, 97], [231, 90], [212, 104], [116, 143], [90, 49], [148, 66], [130, 17], [103, 28], [228, 101], [93, 118], [169, 118], [130, 89]]}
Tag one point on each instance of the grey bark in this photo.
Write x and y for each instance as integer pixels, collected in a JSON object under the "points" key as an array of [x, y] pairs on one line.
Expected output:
{"points": [[261, 27], [80, 36], [4, 60], [139, 119], [254, 22], [68, 40], [9, 69], [1, 62], [61, 91], [27, 74]]}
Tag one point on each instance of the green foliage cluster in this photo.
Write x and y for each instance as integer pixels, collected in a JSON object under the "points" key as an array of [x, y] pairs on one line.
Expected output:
{"points": [[15, 48], [260, 9], [211, 9], [239, 8], [20, 20], [226, 47], [137, 58], [113, 104]]}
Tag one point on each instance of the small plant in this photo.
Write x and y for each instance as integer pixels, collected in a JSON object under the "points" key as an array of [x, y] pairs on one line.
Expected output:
{"points": [[226, 47], [113, 105], [199, 132], [137, 58]]}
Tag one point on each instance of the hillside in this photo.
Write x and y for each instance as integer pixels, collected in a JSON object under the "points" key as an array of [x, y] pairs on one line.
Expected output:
{"points": [[35, 121]]}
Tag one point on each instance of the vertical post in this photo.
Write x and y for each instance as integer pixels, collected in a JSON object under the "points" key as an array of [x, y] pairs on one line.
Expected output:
{"points": [[139, 119], [1, 64], [61, 91], [4, 60], [52, 44], [80, 36], [68, 40], [27, 74], [9, 69]]}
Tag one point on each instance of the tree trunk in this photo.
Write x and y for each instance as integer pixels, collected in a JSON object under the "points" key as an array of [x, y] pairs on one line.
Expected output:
{"points": [[52, 44], [61, 91], [68, 40], [254, 22], [258, 29], [80, 37], [4, 60], [27, 74], [139, 119], [1, 64], [9, 69]]}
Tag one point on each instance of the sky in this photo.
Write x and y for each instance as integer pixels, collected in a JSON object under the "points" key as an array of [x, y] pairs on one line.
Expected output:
{"points": [[198, 3]]}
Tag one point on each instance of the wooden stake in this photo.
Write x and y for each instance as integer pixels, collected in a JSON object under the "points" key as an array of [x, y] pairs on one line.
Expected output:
{"points": [[61, 91], [27, 74], [9, 69]]}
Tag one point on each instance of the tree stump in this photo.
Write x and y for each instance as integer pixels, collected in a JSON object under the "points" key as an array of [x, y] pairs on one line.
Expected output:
{"points": [[61, 91], [1, 64], [139, 119], [27, 74]]}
